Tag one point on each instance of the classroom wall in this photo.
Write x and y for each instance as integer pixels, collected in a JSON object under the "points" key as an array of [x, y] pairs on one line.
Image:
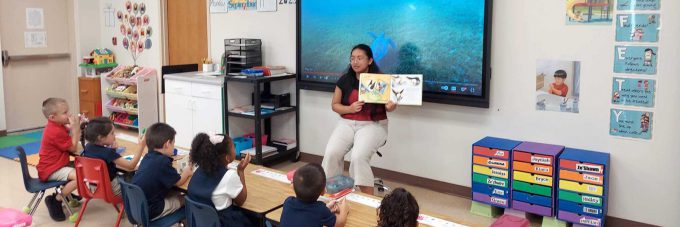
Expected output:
{"points": [[149, 57], [88, 17], [277, 31], [433, 141]]}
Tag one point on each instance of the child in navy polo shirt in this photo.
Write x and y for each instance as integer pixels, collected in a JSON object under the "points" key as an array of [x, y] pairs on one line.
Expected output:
{"points": [[156, 176], [101, 138], [309, 183], [213, 183]]}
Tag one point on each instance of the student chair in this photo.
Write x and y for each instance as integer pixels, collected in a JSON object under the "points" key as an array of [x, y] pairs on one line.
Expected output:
{"points": [[38, 188], [199, 214], [137, 208], [91, 172]]}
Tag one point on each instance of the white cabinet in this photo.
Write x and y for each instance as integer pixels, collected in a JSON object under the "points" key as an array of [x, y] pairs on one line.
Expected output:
{"points": [[179, 116], [193, 104], [207, 115]]}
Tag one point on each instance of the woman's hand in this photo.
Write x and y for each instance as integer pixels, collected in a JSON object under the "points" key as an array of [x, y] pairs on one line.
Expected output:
{"points": [[390, 106], [356, 106]]}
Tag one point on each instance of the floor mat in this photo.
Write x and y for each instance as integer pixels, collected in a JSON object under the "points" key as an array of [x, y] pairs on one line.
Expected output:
{"points": [[12, 141], [35, 135], [11, 152]]}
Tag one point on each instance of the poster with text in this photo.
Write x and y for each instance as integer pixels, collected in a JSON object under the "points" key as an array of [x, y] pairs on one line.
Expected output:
{"points": [[638, 5], [635, 59], [242, 5], [637, 27], [631, 124], [633, 92]]}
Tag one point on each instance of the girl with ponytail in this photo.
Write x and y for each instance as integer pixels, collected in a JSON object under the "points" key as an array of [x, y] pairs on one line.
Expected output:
{"points": [[213, 183]]}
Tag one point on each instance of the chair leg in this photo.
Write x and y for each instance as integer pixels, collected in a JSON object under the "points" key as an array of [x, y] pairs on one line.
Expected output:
{"points": [[35, 205], [27, 208], [82, 211], [120, 213]]}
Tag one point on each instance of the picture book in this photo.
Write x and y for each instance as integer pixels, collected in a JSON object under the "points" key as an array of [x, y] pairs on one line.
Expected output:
{"points": [[403, 89]]}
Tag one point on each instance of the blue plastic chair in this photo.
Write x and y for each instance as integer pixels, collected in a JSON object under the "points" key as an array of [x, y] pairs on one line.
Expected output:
{"points": [[137, 208], [199, 214], [35, 186]]}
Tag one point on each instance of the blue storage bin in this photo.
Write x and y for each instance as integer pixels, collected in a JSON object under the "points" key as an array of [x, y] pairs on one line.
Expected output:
{"points": [[242, 143]]}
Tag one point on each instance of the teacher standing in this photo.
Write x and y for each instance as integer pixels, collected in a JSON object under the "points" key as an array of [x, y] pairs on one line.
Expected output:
{"points": [[363, 126]]}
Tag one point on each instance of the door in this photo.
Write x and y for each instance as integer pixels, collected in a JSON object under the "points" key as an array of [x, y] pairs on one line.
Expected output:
{"points": [[187, 31], [178, 114], [36, 37], [207, 115]]}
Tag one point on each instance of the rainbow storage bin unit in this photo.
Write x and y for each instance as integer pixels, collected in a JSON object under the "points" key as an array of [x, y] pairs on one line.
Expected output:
{"points": [[491, 171], [533, 178], [583, 183]]}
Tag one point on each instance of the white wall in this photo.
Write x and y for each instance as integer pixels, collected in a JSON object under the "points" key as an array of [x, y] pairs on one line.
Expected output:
{"points": [[434, 140], [277, 31], [88, 20]]}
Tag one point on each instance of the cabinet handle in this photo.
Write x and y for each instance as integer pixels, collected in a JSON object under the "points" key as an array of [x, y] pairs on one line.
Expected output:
{"points": [[84, 91]]}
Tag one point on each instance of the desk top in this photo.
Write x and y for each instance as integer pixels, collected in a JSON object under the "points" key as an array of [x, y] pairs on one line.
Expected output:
{"points": [[264, 194]]}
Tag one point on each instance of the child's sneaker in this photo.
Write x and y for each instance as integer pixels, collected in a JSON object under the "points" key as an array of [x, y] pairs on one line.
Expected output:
{"points": [[54, 208]]}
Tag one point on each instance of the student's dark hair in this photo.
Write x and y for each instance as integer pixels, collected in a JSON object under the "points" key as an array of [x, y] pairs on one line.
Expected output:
{"points": [[209, 157], [398, 208], [158, 134], [309, 182], [561, 74], [349, 80], [93, 129]]}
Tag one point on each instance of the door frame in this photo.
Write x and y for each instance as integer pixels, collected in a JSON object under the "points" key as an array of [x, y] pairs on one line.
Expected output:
{"points": [[3, 120]]}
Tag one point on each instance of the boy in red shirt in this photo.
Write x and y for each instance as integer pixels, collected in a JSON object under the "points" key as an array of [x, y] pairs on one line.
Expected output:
{"points": [[559, 87], [55, 147]]}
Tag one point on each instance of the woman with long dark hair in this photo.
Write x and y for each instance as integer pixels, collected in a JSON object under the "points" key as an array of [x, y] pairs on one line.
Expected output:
{"points": [[363, 126]]}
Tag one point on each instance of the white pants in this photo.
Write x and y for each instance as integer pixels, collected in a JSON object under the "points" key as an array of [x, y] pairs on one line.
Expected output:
{"points": [[364, 138]]}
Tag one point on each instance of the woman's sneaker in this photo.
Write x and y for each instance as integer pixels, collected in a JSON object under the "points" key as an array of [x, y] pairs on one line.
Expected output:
{"points": [[54, 208]]}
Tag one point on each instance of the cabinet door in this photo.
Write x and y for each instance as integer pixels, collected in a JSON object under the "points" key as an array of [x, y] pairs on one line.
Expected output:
{"points": [[89, 89], [89, 109], [178, 115], [208, 115]]}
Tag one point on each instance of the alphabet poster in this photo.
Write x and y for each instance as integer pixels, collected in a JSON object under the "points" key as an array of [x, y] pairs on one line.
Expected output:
{"points": [[635, 59], [637, 27], [638, 5], [633, 92], [631, 124]]}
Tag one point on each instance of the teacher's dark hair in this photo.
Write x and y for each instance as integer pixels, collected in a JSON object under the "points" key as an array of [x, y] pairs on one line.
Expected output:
{"points": [[349, 81]]}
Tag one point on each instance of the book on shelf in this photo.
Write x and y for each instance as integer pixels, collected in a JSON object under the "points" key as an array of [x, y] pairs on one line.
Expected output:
{"points": [[267, 151], [288, 143]]}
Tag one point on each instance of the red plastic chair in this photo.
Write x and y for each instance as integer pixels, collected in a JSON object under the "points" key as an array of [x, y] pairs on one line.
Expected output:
{"points": [[94, 171]]}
